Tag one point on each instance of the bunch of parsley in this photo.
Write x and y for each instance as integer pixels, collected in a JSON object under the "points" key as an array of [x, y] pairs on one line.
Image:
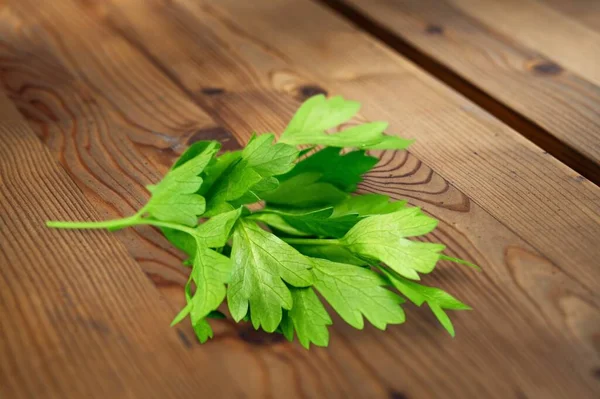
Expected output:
{"points": [[308, 235]]}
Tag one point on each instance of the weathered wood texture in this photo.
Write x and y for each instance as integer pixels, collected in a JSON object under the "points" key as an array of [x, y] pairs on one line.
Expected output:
{"points": [[526, 55], [117, 89], [79, 319]]}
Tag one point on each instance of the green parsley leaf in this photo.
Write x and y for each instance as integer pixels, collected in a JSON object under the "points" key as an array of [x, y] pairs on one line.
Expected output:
{"points": [[216, 168], [335, 253], [355, 292], [318, 114], [287, 326], [305, 191], [261, 263], [259, 161], [202, 329], [213, 233], [383, 238], [278, 224], [307, 317], [183, 313], [269, 159], [437, 299], [342, 170], [210, 273], [193, 151], [316, 222], [367, 205], [460, 262], [174, 199], [216, 314], [183, 241]]}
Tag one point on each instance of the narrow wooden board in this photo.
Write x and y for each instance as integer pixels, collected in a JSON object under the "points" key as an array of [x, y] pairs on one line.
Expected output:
{"points": [[568, 42], [537, 84], [585, 11], [79, 319], [524, 332]]}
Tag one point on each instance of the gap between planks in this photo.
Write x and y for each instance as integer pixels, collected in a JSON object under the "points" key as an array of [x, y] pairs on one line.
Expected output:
{"points": [[541, 137]]}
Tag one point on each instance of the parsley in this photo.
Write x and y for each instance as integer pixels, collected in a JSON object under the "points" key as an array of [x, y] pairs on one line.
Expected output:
{"points": [[318, 114], [262, 262], [308, 237], [343, 171], [437, 299], [174, 199], [382, 238]]}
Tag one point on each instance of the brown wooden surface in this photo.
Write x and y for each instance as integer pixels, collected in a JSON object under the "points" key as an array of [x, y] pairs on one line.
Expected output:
{"points": [[79, 319], [116, 89], [528, 56]]}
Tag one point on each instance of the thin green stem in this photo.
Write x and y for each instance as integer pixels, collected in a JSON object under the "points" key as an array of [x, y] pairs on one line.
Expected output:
{"points": [[168, 225], [105, 224], [113, 224], [119, 224], [311, 241]]}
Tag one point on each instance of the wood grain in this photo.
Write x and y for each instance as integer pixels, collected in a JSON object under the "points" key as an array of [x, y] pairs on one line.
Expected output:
{"points": [[558, 103], [520, 336], [79, 319]]}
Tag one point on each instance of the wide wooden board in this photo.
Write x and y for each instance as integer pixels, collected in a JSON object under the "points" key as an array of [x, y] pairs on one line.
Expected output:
{"points": [[79, 319], [540, 199]]}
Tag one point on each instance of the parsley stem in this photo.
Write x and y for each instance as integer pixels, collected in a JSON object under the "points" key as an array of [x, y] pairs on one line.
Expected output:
{"points": [[119, 224], [168, 225], [106, 224], [311, 241]]}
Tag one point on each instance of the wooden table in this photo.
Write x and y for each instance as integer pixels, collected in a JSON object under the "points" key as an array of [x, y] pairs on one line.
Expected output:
{"points": [[503, 98]]}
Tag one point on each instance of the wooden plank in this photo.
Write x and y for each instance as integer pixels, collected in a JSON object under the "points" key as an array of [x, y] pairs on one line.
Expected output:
{"points": [[517, 73], [585, 11], [97, 117], [520, 332], [79, 319], [568, 42], [116, 123]]}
